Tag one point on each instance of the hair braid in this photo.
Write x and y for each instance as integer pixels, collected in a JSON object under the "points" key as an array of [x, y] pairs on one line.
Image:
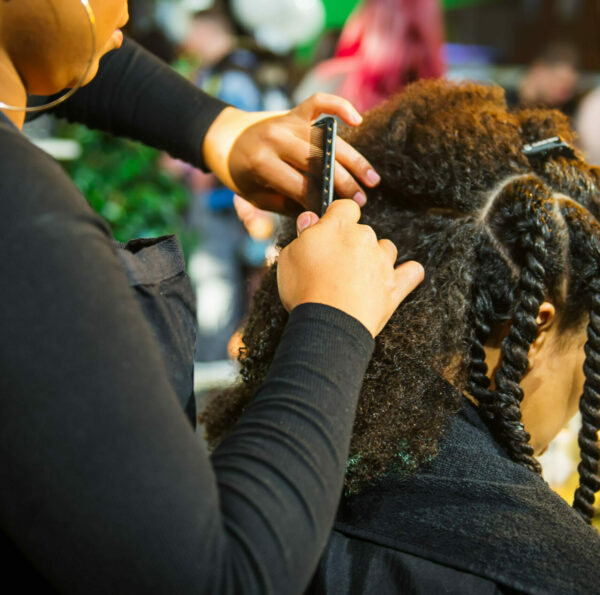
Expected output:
{"points": [[478, 383], [585, 257], [584, 248], [492, 298], [531, 211], [589, 406]]}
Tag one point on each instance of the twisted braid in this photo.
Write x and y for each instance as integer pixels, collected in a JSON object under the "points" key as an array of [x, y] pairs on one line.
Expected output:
{"points": [[589, 406], [531, 215], [584, 235], [478, 383], [492, 303]]}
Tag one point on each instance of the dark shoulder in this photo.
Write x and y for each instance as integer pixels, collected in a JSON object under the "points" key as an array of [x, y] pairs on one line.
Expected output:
{"points": [[352, 565], [33, 185], [475, 510]]}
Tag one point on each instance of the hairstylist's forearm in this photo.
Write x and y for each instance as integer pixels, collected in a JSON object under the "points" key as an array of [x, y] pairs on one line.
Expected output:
{"points": [[261, 155], [282, 467], [137, 95]]}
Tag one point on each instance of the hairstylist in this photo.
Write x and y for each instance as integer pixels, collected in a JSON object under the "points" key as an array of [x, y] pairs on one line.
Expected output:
{"points": [[103, 485]]}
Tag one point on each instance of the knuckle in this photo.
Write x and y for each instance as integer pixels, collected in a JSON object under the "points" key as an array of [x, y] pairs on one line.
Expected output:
{"points": [[258, 157], [354, 159], [359, 162], [271, 132], [389, 244], [345, 206], [368, 233], [318, 97], [345, 182]]}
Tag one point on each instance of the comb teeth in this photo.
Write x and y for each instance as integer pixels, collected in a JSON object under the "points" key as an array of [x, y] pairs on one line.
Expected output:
{"points": [[321, 161]]}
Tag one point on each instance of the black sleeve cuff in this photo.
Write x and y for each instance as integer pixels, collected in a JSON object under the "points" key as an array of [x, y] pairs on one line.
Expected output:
{"points": [[327, 319]]}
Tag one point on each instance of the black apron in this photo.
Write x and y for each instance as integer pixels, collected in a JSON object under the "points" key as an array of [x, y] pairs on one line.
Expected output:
{"points": [[155, 268]]}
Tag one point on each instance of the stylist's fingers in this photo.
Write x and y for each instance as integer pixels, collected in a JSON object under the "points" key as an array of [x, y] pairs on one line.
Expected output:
{"points": [[408, 276], [341, 263], [323, 103], [346, 185], [296, 153], [306, 220], [284, 180], [277, 203], [349, 162], [342, 211], [348, 157]]}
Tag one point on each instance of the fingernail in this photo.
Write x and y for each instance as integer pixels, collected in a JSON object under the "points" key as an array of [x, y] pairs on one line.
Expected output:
{"points": [[360, 198], [356, 118], [303, 222], [373, 177]]}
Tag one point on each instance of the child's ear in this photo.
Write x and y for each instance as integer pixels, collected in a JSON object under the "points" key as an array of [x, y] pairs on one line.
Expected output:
{"points": [[545, 319]]}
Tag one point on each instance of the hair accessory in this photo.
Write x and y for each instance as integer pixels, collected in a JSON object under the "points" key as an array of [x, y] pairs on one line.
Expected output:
{"points": [[40, 108], [548, 147]]}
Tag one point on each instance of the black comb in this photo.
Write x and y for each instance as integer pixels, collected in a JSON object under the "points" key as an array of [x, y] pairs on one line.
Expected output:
{"points": [[321, 161]]}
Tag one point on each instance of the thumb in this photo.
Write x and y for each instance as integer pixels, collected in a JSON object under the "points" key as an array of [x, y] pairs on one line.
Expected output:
{"points": [[408, 276], [306, 220]]}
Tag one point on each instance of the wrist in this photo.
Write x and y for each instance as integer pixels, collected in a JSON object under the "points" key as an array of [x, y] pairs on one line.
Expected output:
{"points": [[221, 137], [217, 145], [315, 312], [363, 317]]}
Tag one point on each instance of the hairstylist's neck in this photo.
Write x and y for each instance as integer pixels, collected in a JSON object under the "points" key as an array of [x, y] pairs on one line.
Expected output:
{"points": [[12, 89]]}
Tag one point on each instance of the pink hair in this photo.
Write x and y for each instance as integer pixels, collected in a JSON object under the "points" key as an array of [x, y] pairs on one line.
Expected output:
{"points": [[384, 45]]}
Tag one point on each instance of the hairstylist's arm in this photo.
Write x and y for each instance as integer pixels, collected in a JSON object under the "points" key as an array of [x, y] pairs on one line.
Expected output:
{"points": [[281, 468], [260, 155], [340, 263], [96, 448]]}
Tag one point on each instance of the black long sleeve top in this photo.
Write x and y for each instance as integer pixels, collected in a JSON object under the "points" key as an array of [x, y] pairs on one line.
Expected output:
{"points": [[138, 96], [103, 486]]}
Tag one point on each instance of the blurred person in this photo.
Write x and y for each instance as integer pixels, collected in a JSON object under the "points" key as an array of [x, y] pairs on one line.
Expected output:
{"points": [[384, 45], [551, 80], [145, 30], [587, 125], [236, 70], [478, 369], [104, 485]]}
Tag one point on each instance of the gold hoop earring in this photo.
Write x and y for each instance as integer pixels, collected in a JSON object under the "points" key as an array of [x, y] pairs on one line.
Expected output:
{"points": [[40, 108]]}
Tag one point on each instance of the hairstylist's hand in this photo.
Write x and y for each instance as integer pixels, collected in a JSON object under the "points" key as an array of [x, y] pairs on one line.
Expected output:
{"points": [[262, 156], [337, 262]]}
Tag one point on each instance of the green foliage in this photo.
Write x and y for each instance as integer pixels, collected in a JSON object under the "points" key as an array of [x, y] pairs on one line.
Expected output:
{"points": [[123, 183]]}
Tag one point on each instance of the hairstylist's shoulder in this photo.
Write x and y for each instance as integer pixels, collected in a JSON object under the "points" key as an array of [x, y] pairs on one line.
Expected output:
{"points": [[35, 190]]}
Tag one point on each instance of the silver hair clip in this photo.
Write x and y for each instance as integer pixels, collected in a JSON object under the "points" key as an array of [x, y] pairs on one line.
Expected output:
{"points": [[548, 147]]}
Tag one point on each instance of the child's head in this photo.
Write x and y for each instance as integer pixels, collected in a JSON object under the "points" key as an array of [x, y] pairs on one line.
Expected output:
{"points": [[511, 250]]}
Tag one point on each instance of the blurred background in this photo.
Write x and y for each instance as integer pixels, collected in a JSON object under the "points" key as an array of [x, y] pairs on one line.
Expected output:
{"points": [[272, 54]]}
